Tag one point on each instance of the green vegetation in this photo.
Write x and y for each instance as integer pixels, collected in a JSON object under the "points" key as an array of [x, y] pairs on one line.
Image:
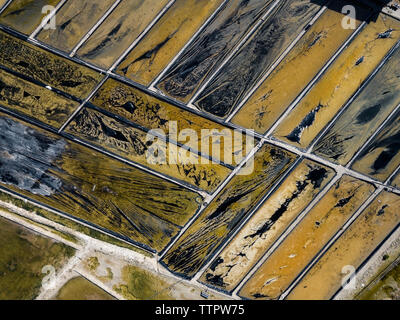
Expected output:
{"points": [[63, 235], [142, 285], [81, 289], [93, 263], [387, 288], [23, 254]]}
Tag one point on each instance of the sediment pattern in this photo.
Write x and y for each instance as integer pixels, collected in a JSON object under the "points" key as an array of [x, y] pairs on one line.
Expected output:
{"points": [[26, 15], [120, 29], [224, 213], [152, 113], [46, 67], [381, 156], [74, 20], [34, 101], [166, 39], [134, 144], [211, 46], [339, 82], [264, 47], [135, 158], [364, 115], [82, 183], [267, 224], [396, 181], [307, 239], [351, 249], [303, 63]]}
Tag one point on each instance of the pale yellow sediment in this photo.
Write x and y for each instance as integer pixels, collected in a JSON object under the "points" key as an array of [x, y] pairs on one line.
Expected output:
{"points": [[166, 39], [293, 74], [307, 239], [351, 249], [340, 81]]}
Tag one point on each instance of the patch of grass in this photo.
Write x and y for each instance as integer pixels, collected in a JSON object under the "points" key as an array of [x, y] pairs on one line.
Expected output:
{"points": [[93, 263], [81, 289], [140, 284], [63, 235], [386, 288], [23, 254]]}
